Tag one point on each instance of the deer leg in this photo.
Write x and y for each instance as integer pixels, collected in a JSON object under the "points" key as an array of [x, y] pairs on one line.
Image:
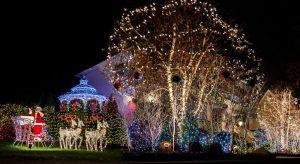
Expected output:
{"points": [[67, 143], [64, 142], [91, 144], [105, 142], [95, 145], [100, 144], [75, 140], [73, 143], [70, 142], [80, 142], [60, 142], [86, 143], [76, 146]]}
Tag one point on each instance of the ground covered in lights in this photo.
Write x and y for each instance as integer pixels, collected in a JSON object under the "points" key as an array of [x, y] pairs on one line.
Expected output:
{"points": [[22, 154]]}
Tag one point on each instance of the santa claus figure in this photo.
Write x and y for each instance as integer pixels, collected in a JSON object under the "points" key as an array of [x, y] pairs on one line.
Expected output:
{"points": [[39, 121]]}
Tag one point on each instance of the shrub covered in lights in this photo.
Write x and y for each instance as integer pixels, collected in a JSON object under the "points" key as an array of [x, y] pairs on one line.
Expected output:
{"points": [[138, 137], [115, 134], [224, 139], [7, 132], [261, 138], [93, 106], [191, 133], [76, 105]]}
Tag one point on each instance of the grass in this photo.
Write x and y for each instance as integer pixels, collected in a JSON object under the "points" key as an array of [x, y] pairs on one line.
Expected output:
{"points": [[8, 150]]}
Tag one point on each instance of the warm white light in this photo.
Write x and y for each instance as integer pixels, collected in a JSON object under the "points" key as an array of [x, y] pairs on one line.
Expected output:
{"points": [[151, 97], [240, 123]]}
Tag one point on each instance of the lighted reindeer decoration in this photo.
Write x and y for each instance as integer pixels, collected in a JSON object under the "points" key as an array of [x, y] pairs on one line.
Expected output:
{"points": [[75, 135], [66, 135], [92, 137]]}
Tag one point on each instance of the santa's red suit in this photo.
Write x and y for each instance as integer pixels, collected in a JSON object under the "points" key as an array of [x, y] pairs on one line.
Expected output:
{"points": [[38, 123]]}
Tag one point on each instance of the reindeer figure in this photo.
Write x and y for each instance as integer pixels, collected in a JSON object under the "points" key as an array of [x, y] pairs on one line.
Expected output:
{"points": [[64, 135], [89, 135], [92, 137], [102, 134], [75, 134]]}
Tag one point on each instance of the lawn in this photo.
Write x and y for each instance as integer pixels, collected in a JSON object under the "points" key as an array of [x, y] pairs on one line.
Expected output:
{"points": [[9, 151], [21, 154]]}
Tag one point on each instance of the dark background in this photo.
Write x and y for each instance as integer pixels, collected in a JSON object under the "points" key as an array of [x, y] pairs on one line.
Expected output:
{"points": [[43, 45]]}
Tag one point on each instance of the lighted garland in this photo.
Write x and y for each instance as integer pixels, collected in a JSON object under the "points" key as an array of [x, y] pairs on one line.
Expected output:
{"points": [[76, 105], [68, 117], [63, 106], [93, 106]]}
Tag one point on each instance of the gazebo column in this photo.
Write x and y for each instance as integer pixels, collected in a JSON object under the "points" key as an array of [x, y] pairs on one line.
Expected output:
{"points": [[100, 105], [60, 102], [100, 101], [68, 104], [84, 104]]}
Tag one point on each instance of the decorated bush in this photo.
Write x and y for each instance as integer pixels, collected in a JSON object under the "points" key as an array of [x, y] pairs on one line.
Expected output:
{"points": [[115, 133], [93, 106], [63, 106], [76, 105], [7, 131]]}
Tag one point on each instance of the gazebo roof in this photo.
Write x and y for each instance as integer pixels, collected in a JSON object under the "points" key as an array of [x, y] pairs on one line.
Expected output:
{"points": [[82, 91]]}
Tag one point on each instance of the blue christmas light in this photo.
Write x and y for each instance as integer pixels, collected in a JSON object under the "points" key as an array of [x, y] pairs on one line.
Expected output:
{"points": [[261, 138], [222, 138], [84, 92], [139, 139], [204, 138]]}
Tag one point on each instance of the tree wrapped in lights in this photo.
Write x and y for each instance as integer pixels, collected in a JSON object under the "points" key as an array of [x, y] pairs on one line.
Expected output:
{"points": [[6, 126], [150, 119], [279, 116], [184, 49], [115, 132]]}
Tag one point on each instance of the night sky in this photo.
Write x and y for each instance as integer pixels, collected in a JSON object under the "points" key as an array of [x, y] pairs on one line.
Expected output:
{"points": [[43, 45]]}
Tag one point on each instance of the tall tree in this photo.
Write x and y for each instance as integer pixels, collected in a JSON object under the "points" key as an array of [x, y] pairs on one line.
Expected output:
{"points": [[150, 118], [185, 49], [279, 116]]}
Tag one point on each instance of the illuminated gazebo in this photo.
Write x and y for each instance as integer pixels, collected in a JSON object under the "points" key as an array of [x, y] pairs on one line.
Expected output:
{"points": [[82, 97]]}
